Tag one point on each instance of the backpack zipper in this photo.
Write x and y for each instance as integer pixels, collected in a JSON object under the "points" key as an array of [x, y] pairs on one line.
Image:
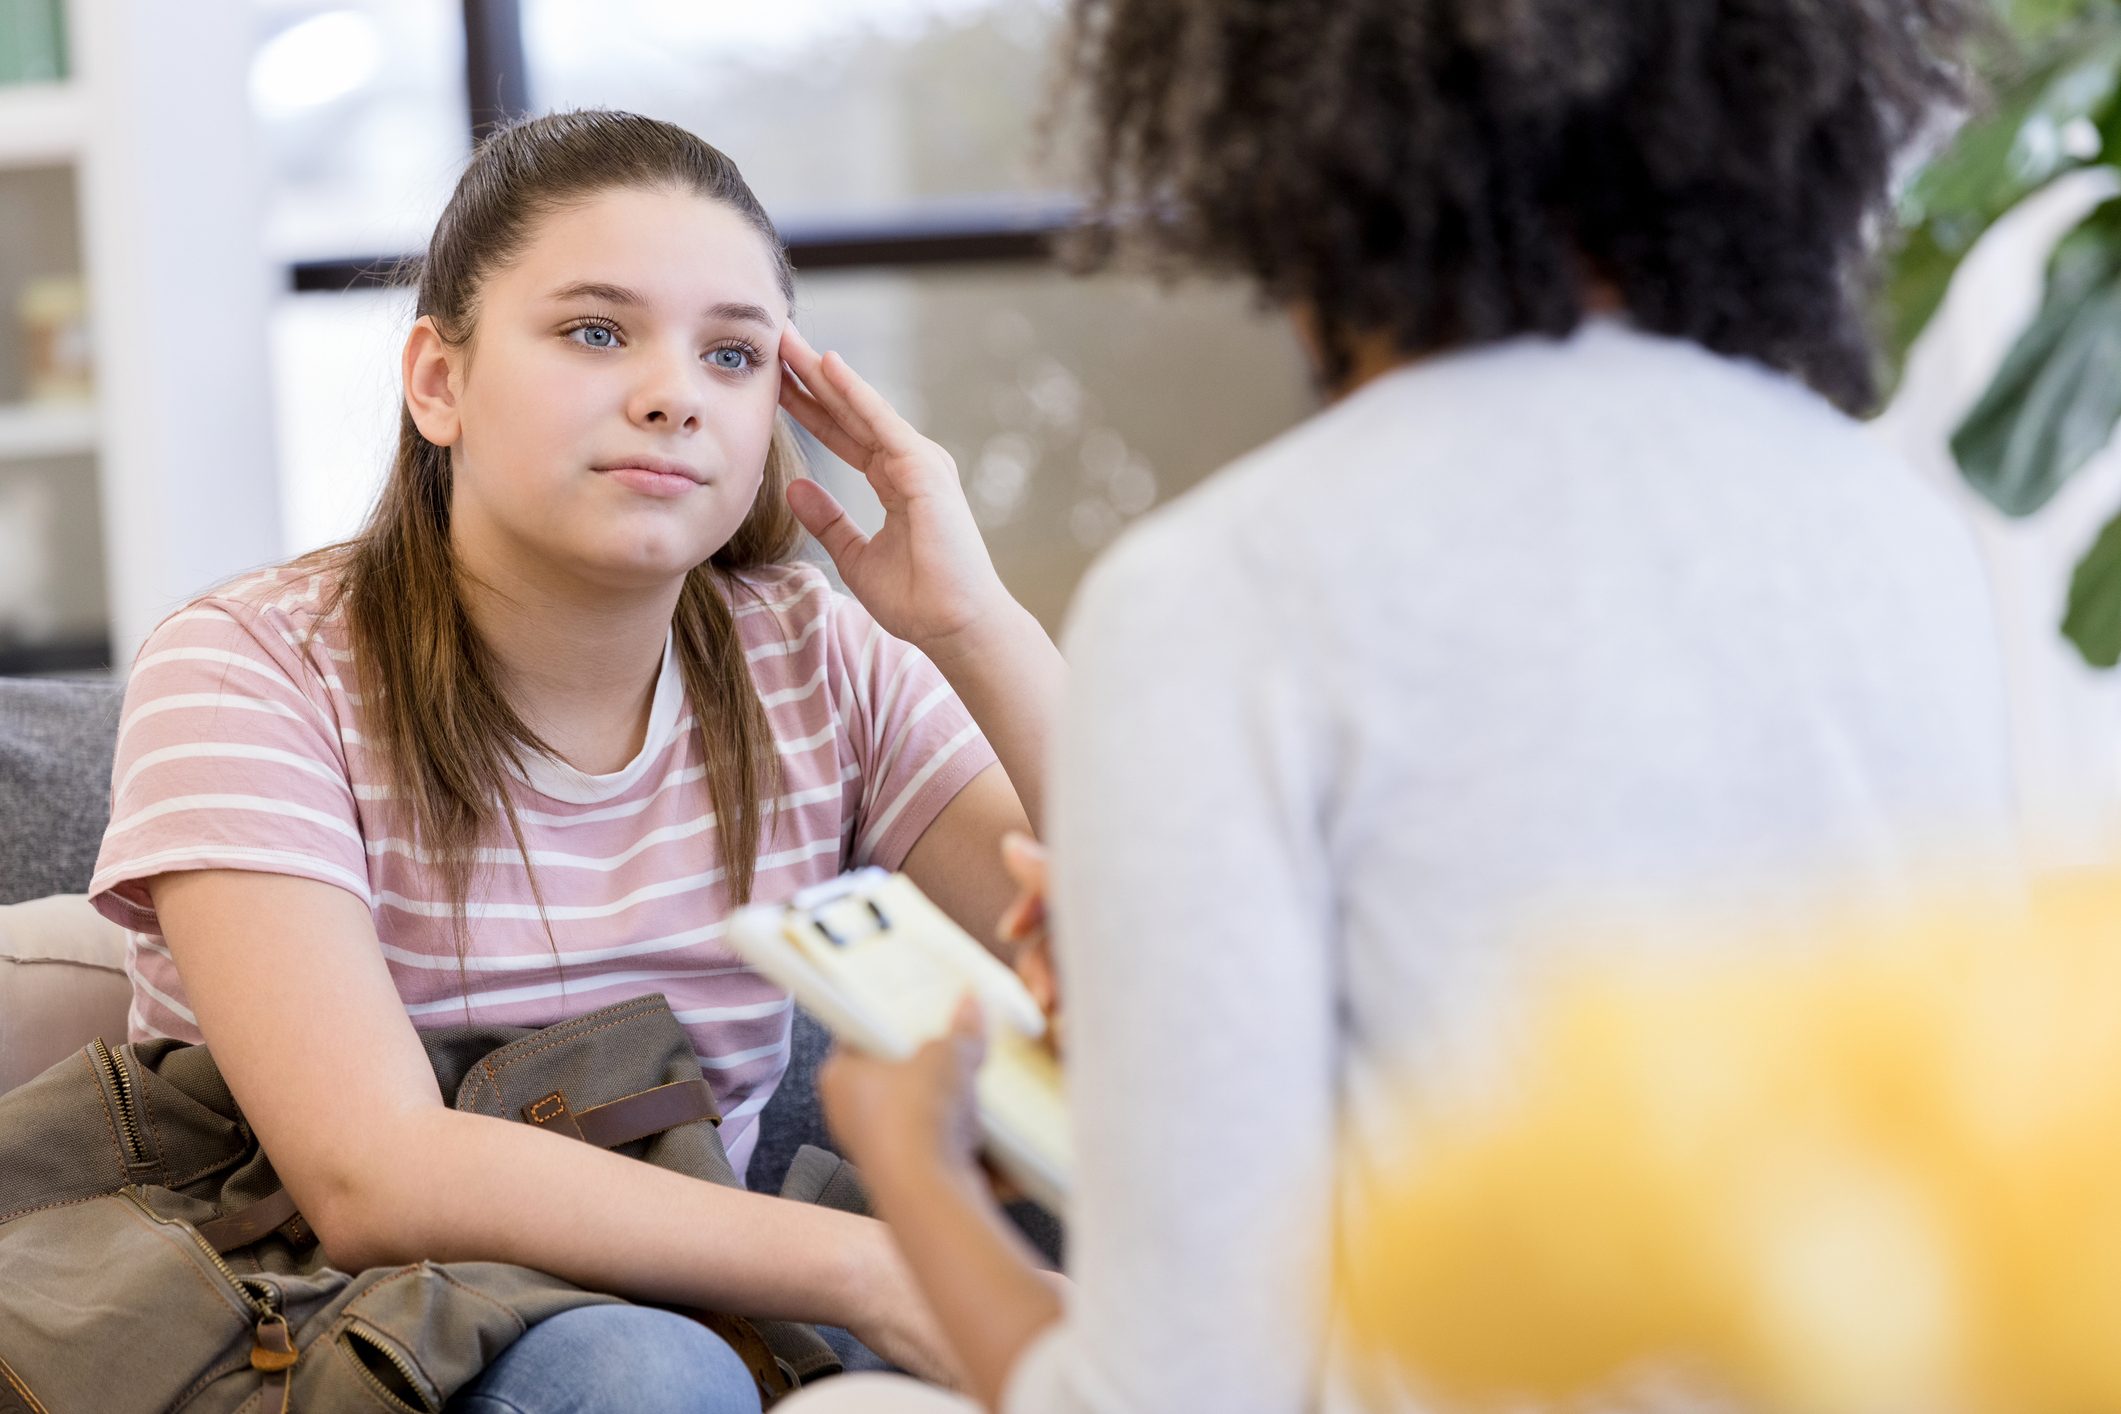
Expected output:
{"points": [[354, 1334], [121, 1090], [272, 1349], [260, 1295]]}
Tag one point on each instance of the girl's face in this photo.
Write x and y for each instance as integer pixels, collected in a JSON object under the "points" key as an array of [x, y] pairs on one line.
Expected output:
{"points": [[610, 417]]}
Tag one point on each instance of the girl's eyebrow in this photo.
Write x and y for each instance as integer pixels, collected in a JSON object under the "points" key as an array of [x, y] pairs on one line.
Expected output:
{"points": [[748, 313], [598, 293]]}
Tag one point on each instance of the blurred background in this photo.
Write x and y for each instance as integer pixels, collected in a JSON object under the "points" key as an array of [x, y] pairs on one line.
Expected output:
{"points": [[200, 204]]}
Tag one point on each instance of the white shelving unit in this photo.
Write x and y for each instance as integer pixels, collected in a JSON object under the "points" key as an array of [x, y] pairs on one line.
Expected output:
{"points": [[41, 124], [44, 132], [47, 430], [155, 125]]}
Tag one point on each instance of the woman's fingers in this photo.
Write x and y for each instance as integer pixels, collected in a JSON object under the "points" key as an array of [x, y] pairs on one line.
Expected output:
{"points": [[1034, 967], [1025, 860]]}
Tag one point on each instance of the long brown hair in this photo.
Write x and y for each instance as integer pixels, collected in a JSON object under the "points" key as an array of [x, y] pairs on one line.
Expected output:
{"points": [[432, 699]]}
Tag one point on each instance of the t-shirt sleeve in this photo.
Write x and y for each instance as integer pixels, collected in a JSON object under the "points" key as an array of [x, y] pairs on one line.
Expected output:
{"points": [[910, 742], [229, 757]]}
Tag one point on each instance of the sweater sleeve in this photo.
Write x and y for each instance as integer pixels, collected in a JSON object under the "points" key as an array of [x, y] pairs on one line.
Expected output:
{"points": [[1195, 943]]}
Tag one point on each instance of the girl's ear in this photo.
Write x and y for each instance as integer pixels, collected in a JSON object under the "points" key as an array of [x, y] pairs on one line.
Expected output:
{"points": [[430, 388]]}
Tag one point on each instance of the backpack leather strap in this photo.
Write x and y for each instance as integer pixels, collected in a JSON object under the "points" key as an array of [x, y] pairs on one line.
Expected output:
{"points": [[247, 1224], [635, 1117]]}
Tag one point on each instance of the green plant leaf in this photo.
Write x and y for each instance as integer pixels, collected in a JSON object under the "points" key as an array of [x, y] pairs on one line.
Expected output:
{"points": [[2036, 19], [2054, 401], [2093, 620], [2057, 114]]}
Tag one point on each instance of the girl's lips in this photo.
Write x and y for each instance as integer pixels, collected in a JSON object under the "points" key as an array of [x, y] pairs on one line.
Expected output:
{"points": [[651, 481]]}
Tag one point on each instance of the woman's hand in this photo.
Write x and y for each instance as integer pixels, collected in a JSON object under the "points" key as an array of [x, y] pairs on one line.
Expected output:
{"points": [[911, 1128], [925, 576], [913, 1117]]}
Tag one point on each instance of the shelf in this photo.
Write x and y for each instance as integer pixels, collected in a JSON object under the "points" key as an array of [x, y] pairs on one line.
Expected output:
{"points": [[46, 430], [41, 123]]}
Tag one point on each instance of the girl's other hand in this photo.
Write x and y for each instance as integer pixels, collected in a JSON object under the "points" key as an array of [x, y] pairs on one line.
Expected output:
{"points": [[900, 1325], [1023, 927], [925, 576]]}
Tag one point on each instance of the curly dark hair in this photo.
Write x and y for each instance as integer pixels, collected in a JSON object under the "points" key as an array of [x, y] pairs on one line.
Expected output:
{"points": [[1448, 172]]}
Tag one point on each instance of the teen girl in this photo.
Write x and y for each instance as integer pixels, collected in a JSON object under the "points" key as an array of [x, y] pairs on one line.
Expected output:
{"points": [[518, 749]]}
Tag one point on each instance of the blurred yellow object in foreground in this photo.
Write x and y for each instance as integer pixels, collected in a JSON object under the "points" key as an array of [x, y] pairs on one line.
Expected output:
{"points": [[1881, 1176]]}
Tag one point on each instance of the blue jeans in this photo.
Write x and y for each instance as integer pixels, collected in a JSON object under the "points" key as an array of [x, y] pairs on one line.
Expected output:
{"points": [[613, 1360]]}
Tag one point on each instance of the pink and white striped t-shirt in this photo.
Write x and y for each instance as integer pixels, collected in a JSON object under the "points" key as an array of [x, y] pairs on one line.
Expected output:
{"points": [[241, 748]]}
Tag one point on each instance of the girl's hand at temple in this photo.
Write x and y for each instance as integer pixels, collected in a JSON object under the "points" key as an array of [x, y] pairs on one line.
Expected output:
{"points": [[925, 576]]}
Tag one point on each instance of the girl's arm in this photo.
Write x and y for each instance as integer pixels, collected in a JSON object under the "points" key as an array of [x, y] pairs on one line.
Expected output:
{"points": [[290, 988], [926, 576]]}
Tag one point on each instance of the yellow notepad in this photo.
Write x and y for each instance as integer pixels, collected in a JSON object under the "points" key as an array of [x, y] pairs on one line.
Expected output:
{"points": [[884, 969]]}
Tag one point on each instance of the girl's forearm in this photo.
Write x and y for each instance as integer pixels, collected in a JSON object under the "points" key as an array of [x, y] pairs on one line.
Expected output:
{"points": [[485, 1189], [1012, 679]]}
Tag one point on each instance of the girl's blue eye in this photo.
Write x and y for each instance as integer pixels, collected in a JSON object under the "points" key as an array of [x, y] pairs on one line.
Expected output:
{"points": [[733, 359], [594, 335]]}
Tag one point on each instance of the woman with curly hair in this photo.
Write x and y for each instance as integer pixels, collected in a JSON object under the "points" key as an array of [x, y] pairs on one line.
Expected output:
{"points": [[1583, 592]]}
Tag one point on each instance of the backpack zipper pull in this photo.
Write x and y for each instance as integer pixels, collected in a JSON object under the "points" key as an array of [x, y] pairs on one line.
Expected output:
{"points": [[273, 1348], [273, 1354]]}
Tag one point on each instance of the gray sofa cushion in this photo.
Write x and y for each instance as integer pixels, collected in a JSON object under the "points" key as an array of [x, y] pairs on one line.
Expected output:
{"points": [[56, 740]]}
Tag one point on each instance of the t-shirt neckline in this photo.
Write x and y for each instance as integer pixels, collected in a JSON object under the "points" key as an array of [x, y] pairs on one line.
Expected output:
{"points": [[551, 777]]}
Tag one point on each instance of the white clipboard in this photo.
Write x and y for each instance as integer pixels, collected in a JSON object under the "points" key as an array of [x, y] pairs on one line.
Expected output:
{"points": [[884, 970]]}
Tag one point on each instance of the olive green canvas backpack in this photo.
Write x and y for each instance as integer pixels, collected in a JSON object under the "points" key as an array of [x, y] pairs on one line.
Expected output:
{"points": [[151, 1261]]}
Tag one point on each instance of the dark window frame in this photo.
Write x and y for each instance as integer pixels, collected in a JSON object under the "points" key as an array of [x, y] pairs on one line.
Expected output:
{"points": [[497, 87]]}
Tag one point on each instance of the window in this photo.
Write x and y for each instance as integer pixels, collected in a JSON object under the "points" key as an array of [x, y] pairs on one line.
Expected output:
{"points": [[1070, 405], [360, 107], [835, 109], [896, 144]]}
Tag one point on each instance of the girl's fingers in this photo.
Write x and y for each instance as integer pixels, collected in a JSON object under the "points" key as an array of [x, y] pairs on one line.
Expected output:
{"points": [[866, 414], [818, 381], [827, 521], [873, 417], [821, 424], [797, 353]]}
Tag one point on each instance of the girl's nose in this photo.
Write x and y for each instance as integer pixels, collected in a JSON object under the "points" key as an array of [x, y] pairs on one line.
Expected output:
{"points": [[668, 395]]}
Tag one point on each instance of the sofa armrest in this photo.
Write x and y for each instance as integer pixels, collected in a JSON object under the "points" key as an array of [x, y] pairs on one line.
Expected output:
{"points": [[62, 983]]}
